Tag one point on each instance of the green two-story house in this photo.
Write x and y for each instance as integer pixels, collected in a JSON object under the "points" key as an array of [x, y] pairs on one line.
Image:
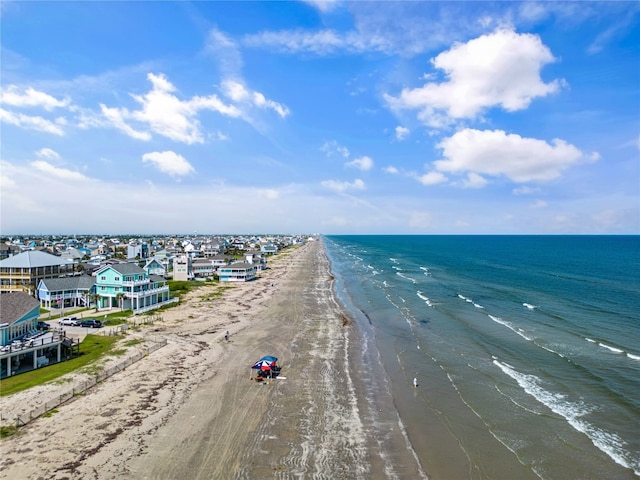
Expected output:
{"points": [[129, 287]]}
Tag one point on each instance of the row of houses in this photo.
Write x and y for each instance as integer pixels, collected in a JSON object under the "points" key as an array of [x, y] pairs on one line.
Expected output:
{"points": [[95, 249], [61, 282]]}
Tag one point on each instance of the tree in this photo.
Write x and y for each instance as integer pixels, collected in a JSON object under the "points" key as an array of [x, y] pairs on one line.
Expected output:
{"points": [[94, 298], [120, 299]]}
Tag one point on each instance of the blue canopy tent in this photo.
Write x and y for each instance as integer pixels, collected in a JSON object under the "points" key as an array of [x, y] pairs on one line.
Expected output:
{"points": [[265, 364]]}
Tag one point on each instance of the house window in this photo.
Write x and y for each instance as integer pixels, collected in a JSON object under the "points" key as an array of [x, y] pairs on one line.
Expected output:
{"points": [[116, 279], [103, 288], [117, 289], [103, 277]]}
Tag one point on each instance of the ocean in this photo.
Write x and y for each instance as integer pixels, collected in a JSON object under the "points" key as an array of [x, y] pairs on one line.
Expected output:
{"points": [[525, 349]]}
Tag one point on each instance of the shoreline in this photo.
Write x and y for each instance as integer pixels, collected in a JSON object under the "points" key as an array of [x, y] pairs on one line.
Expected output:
{"points": [[189, 409]]}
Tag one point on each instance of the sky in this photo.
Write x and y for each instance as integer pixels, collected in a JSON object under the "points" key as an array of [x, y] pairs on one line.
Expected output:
{"points": [[319, 117]]}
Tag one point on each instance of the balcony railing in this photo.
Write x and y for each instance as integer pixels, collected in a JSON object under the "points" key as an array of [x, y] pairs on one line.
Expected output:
{"points": [[135, 283], [146, 293]]}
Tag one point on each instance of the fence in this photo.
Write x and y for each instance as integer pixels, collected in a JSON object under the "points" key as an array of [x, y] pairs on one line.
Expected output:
{"points": [[82, 385]]}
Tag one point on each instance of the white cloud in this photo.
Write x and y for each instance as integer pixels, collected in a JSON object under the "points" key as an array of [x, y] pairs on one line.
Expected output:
{"points": [[14, 96], [165, 114], [525, 190], [225, 51], [499, 69], [432, 178], [115, 118], [362, 163], [333, 148], [420, 220], [338, 186], [539, 204], [269, 193], [237, 92], [323, 5], [47, 153], [402, 132], [493, 152], [31, 123], [474, 180], [321, 42], [391, 169], [169, 162], [57, 173]]}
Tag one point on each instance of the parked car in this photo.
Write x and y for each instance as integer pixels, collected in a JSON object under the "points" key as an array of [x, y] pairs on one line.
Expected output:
{"points": [[43, 326], [70, 321], [91, 323]]}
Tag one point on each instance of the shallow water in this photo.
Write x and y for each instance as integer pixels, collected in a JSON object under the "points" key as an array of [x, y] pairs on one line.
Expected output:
{"points": [[526, 349]]}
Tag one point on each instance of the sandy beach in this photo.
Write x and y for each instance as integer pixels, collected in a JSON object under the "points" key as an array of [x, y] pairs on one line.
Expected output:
{"points": [[190, 409]]}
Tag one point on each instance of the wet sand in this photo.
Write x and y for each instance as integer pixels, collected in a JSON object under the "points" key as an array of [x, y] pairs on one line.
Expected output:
{"points": [[190, 410]]}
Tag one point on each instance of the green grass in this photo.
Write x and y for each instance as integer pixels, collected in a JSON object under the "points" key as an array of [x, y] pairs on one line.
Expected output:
{"points": [[7, 431], [117, 353], [91, 350], [179, 288], [217, 294], [116, 318]]}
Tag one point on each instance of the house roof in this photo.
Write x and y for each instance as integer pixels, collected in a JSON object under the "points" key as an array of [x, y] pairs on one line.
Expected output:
{"points": [[33, 259], [15, 305], [239, 265], [125, 268], [68, 283], [153, 260], [202, 261]]}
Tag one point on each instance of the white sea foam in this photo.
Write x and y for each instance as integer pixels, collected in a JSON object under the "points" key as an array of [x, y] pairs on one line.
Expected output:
{"points": [[462, 297], [425, 298], [426, 271], [478, 305], [515, 330], [405, 277], [589, 340], [608, 347], [529, 306], [609, 443], [393, 260], [550, 350], [634, 357]]}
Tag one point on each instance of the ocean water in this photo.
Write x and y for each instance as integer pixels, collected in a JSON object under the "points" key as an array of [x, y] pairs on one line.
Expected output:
{"points": [[526, 349]]}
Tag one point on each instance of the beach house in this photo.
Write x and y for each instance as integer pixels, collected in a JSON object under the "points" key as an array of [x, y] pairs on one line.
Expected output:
{"points": [[128, 286], [237, 272], [23, 272], [66, 291]]}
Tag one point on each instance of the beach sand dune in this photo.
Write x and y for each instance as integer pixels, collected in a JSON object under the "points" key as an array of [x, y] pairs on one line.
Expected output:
{"points": [[190, 409]]}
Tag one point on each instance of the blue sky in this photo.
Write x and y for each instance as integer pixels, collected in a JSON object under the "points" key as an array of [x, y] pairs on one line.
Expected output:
{"points": [[320, 117]]}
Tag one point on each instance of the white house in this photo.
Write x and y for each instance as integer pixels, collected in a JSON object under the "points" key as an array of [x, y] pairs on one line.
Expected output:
{"points": [[237, 272]]}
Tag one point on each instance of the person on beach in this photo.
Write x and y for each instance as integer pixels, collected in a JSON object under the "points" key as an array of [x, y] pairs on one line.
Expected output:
{"points": [[226, 336], [415, 382]]}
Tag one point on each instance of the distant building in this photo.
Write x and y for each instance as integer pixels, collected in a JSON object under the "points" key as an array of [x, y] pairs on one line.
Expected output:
{"points": [[7, 251], [155, 267], [269, 249], [140, 251], [182, 268], [23, 272], [237, 272], [202, 268]]}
